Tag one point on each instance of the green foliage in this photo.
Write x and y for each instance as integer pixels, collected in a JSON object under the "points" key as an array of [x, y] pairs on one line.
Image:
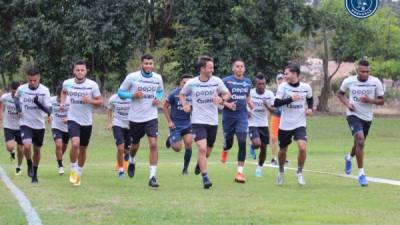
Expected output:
{"points": [[389, 69]]}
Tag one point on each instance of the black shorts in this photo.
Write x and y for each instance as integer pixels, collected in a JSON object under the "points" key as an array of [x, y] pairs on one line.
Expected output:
{"points": [[58, 134], [122, 136], [259, 132], [205, 131], [358, 125], [34, 135], [10, 134], [83, 132], [285, 136], [138, 130]]}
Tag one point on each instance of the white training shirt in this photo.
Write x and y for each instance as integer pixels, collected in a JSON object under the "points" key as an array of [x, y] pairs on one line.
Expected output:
{"points": [[143, 110], [58, 115], [204, 111], [10, 116], [373, 88], [120, 108], [32, 116], [259, 115], [293, 114], [79, 111]]}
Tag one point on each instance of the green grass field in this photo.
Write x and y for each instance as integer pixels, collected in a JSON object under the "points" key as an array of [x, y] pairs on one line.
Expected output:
{"points": [[102, 198]]}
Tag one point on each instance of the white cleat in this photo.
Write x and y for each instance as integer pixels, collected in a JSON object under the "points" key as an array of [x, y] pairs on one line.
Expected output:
{"points": [[300, 179], [280, 179], [60, 170]]}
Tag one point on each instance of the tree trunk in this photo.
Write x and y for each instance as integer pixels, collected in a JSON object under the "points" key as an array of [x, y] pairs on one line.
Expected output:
{"points": [[326, 87], [3, 78]]}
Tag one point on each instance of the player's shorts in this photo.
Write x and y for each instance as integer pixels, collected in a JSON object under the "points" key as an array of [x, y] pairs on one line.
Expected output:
{"points": [[59, 134], [274, 127], [177, 133], [138, 130], [358, 125], [83, 132], [10, 134], [234, 125], [259, 132], [285, 136], [34, 135], [205, 131], [122, 136]]}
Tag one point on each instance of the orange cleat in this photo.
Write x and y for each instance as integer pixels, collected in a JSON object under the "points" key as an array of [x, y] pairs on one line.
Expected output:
{"points": [[224, 156], [239, 178], [125, 165]]}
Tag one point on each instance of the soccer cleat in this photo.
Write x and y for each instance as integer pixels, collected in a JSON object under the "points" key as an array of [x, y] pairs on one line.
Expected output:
{"points": [[258, 172], [153, 182], [197, 169], [224, 156], [72, 176], [252, 153], [121, 174], [77, 180], [167, 143], [287, 162], [347, 168], [131, 170], [60, 170], [34, 179], [12, 156], [30, 171], [207, 183], [239, 178], [274, 162], [363, 181], [300, 179], [185, 172], [17, 171], [280, 179]]}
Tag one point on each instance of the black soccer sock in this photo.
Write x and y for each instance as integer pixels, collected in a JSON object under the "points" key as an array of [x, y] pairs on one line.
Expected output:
{"points": [[188, 155], [242, 147], [35, 168], [299, 169], [60, 164], [205, 176], [29, 162]]}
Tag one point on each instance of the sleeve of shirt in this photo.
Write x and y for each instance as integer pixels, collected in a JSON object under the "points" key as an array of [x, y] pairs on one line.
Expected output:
{"points": [[344, 86], [2, 98], [160, 90], [110, 104], [271, 99], [280, 92], [186, 90], [171, 98], [126, 84], [379, 89], [309, 91], [96, 90], [250, 84], [221, 86], [66, 86], [47, 99]]}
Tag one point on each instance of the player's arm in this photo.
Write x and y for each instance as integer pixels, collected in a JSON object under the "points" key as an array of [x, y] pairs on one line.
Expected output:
{"points": [[186, 106], [1, 110], [109, 119], [96, 101], [378, 101], [341, 95], [249, 102], [167, 114]]}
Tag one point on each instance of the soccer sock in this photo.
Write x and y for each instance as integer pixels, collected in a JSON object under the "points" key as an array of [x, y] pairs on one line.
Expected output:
{"points": [[35, 168], [29, 162], [299, 169], [361, 172], [18, 167], [348, 157], [281, 169], [79, 171], [73, 166], [60, 164], [131, 159], [205, 177], [240, 169], [153, 170], [188, 155], [121, 169], [259, 167]]}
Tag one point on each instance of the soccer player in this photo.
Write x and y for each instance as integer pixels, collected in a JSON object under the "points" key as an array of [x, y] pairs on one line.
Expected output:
{"points": [[204, 91], [258, 119], [11, 125], [364, 92], [293, 96], [118, 123], [59, 127], [234, 115], [84, 94], [146, 90], [32, 100], [274, 128], [179, 123]]}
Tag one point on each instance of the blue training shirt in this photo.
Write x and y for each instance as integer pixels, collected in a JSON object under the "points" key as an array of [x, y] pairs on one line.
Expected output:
{"points": [[178, 116], [239, 90]]}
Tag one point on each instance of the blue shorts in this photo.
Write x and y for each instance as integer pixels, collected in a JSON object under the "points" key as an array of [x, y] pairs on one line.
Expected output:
{"points": [[234, 125], [358, 125], [177, 133]]}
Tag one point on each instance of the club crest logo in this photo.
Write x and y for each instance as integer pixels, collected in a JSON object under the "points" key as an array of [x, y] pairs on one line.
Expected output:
{"points": [[361, 8]]}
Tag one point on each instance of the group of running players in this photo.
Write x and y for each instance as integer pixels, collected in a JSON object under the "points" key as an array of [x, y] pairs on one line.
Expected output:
{"points": [[191, 111]]}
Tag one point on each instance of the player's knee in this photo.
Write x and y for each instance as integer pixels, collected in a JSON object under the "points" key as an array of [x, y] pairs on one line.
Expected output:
{"points": [[360, 142], [153, 146], [10, 147], [256, 143], [176, 147]]}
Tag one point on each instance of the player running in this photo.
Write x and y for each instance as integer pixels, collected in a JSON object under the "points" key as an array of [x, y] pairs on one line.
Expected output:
{"points": [[32, 100], [274, 128], [118, 123], [146, 90], [364, 92], [10, 118], [84, 94], [59, 127], [179, 123], [258, 119], [293, 96], [234, 115], [204, 90]]}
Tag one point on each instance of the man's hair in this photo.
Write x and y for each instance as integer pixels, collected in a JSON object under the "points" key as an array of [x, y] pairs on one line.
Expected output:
{"points": [[203, 60], [80, 62], [236, 60], [260, 76], [14, 85], [33, 71], [185, 75], [363, 62], [146, 56], [294, 68], [59, 90]]}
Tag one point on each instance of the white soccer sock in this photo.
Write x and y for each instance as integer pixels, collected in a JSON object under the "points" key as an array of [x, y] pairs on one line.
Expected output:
{"points": [[131, 159], [348, 157], [259, 167], [73, 166], [79, 171], [18, 167], [153, 170], [240, 169], [121, 169], [361, 172]]}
